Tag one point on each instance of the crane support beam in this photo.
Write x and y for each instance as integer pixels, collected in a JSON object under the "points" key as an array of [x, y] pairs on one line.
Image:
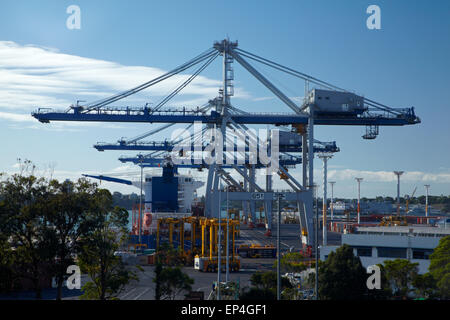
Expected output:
{"points": [[169, 147], [140, 116], [247, 178], [266, 82], [231, 180], [110, 179], [155, 161], [291, 178]]}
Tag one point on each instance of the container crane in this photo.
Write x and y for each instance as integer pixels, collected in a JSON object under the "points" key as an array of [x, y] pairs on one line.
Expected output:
{"points": [[409, 198], [325, 105]]}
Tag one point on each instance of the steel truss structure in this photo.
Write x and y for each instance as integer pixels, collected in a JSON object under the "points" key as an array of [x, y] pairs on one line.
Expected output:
{"points": [[221, 115]]}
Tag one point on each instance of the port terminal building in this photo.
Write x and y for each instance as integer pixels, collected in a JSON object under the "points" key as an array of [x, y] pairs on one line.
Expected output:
{"points": [[374, 245]]}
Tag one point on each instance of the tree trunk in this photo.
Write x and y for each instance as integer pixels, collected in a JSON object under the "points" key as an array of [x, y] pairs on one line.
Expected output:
{"points": [[60, 280], [37, 288]]}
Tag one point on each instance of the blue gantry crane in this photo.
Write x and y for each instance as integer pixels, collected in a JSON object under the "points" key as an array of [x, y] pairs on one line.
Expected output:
{"points": [[324, 104]]}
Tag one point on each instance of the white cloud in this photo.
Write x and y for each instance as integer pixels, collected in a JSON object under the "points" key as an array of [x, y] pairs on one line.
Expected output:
{"points": [[26, 121], [32, 76], [263, 98], [16, 117]]}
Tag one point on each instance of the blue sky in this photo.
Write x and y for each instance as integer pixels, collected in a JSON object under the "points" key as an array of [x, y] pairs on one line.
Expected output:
{"points": [[124, 43]]}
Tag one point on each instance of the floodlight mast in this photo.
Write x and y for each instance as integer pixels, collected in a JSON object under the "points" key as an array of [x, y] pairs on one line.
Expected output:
{"points": [[332, 183], [427, 186], [398, 174], [359, 198], [325, 157]]}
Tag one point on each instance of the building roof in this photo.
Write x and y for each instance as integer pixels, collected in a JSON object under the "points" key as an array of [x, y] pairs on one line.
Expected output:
{"points": [[404, 230]]}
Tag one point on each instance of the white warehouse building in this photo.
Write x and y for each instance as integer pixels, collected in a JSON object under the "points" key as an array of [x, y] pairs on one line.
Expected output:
{"points": [[374, 245]]}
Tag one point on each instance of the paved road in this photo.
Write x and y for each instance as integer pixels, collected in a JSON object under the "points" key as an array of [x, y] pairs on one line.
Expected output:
{"points": [[290, 237], [144, 289]]}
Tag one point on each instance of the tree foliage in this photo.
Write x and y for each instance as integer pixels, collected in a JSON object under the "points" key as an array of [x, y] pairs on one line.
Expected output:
{"points": [[106, 270], [157, 280], [342, 276], [292, 262], [425, 286], [440, 267], [264, 286], [25, 228], [45, 225], [400, 274], [173, 282]]}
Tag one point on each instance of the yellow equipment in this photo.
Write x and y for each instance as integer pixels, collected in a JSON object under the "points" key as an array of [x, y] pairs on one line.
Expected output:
{"points": [[393, 221], [136, 246], [283, 176], [407, 200], [257, 251], [299, 128], [207, 261]]}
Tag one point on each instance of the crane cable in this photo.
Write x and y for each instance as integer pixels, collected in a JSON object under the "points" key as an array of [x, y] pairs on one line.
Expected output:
{"points": [[184, 84], [205, 107], [203, 56], [306, 77]]}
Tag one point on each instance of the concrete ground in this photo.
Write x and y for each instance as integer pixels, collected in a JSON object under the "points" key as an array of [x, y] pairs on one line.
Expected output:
{"points": [[290, 237]]}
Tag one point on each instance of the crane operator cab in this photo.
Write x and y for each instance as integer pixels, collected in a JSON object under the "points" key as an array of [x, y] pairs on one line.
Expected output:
{"points": [[329, 102]]}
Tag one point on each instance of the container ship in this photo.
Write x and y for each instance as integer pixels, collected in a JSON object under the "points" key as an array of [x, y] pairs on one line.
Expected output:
{"points": [[170, 195]]}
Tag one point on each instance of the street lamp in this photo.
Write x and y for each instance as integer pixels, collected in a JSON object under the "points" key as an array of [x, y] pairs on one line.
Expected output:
{"points": [[398, 174], [332, 197], [227, 275], [359, 189], [140, 203], [316, 244], [278, 251], [219, 243], [427, 186], [325, 158]]}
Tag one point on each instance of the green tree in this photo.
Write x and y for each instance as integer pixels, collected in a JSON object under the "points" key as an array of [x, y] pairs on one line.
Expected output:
{"points": [[67, 212], [385, 292], [440, 267], [342, 276], [264, 286], [292, 262], [27, 231], [7, 271], [174, 282], [108, 274], [157, 280], [170, 256], [400, 274], [425, 286], [268, 280]]}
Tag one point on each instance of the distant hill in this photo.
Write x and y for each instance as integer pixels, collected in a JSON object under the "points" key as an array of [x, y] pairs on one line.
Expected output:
{"points": [[125, 200]]}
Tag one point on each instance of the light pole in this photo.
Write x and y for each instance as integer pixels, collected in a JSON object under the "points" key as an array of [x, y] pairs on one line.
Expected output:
{"points": [[332, 183], [325, 158], [359, 198], [316, 244], [278, 250], [227, 275], [140, 205], [427, 186], [219, 255], [398, 174]]}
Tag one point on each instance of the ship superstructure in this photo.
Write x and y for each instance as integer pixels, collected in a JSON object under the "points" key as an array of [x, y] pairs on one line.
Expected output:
{"points": [[167, 195]]}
